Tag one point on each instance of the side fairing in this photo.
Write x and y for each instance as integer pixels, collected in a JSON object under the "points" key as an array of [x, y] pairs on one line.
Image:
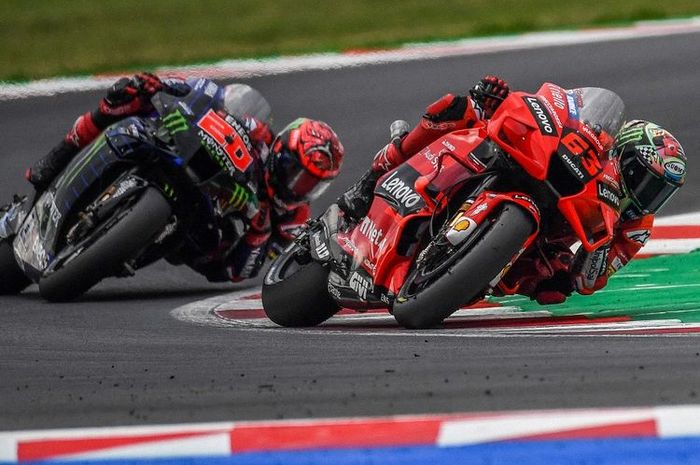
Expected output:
{"points": [[385, 241]]}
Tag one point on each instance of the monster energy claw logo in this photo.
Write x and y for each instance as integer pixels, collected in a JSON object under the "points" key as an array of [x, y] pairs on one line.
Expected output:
{"points": [[629, 135], [175, 122], [239, 197]]}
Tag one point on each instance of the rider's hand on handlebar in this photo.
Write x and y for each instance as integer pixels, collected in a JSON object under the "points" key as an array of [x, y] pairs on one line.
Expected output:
{"points": [[130, 96], [488, 93]]}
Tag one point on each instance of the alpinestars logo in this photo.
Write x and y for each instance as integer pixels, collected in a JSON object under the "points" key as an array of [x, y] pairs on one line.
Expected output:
{"points": [[641, 236], [544, 121]]}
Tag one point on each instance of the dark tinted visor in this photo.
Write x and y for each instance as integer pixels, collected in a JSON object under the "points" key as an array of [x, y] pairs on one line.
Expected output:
{"points": [[649, 191]]}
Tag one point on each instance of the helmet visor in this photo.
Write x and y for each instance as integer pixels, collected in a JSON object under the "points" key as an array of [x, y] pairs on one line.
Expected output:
{"points": [[648, 191], [293, 183]]}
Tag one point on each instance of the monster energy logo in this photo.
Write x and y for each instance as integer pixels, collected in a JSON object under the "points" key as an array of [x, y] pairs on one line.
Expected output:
{"points": [[239, 197], [629, 135], [82, 162], [175, 122]]}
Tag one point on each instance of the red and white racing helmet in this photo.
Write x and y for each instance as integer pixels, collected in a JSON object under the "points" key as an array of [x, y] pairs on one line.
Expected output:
{"points": [[305, 157]]}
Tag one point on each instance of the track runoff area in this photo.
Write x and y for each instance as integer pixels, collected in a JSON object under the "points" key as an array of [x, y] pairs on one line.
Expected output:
{"points": [[657, 295]]}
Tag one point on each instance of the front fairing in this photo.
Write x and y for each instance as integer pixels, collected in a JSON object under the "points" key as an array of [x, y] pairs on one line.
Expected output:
{"points": [[563, 138], [213, 147]]}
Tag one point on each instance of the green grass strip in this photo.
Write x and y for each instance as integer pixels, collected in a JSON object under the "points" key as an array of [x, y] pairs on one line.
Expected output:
{"points": [[654, 288], [44, 38]]}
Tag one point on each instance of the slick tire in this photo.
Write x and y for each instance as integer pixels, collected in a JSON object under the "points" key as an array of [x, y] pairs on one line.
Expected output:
{"points": [[468, 276], [107, 255], [12, 279], [296, 295]]}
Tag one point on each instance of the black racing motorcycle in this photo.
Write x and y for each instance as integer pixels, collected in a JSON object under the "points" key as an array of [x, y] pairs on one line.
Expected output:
{"points": [[147, 188]]}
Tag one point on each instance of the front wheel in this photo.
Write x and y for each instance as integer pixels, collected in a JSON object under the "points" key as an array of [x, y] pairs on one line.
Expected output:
{"points": [[106, 255], [434, 291], [295, 291]]}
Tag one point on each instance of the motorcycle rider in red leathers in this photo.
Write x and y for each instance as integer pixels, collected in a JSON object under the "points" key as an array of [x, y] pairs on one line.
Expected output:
{"points": [[289, 170], [652, 162]]}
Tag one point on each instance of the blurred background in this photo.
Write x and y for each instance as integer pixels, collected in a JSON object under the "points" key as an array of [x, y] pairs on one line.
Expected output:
{"points": [[42, 38]]}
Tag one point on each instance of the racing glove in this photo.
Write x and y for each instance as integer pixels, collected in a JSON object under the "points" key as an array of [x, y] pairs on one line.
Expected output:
{"points": [[129, 96], [488, 94]]}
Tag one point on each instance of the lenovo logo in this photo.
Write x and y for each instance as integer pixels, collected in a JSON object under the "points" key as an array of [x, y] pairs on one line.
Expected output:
{"points": [[400, 191]]}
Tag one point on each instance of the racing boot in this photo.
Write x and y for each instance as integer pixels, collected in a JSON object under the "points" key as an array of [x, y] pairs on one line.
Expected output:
{"points": [[356, 200], [45, 170]]}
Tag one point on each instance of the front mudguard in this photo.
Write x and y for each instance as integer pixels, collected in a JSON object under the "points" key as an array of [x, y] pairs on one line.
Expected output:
{"points": [[476, 211]]}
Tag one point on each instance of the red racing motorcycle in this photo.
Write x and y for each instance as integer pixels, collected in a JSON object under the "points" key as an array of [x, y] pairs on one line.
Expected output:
{"points": [[479, 211]]}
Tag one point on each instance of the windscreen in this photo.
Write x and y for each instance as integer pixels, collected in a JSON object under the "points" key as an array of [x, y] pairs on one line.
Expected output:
{"points": [[600, 109]]}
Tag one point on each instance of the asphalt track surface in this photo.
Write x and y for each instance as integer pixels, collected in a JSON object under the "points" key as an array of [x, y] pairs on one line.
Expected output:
{"points": [[117, 356]]}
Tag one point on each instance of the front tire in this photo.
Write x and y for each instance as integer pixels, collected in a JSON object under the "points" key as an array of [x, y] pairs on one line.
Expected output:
{"points": [[295, 291], [468, 274], [107, 255], [12, 278]]}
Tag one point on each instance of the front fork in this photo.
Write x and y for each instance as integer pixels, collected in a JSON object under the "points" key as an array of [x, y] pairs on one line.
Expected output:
{"points": [[481, 209]]}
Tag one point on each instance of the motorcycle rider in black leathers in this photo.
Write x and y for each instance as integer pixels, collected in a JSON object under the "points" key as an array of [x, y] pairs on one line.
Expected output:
{"points": [[288, 171]]}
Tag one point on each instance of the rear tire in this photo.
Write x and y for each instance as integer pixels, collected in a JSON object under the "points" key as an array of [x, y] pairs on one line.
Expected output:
{"points": [[295, 294], [105, 257], [466, 279], [12, 278]]}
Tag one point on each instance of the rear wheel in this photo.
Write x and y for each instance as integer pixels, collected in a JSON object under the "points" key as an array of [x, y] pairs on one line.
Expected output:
{"points": [[295, 291], [437, 288], [12, 278], [107, 255]]}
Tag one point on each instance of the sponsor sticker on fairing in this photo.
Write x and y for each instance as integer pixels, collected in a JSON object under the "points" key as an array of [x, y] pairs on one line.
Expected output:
{"points": [[557, 96], [373, 233], [360, 284], [541, 115], [320, 248], [608, 195], [227, 139], [571, 104], [398, 190], [460, 230]]}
